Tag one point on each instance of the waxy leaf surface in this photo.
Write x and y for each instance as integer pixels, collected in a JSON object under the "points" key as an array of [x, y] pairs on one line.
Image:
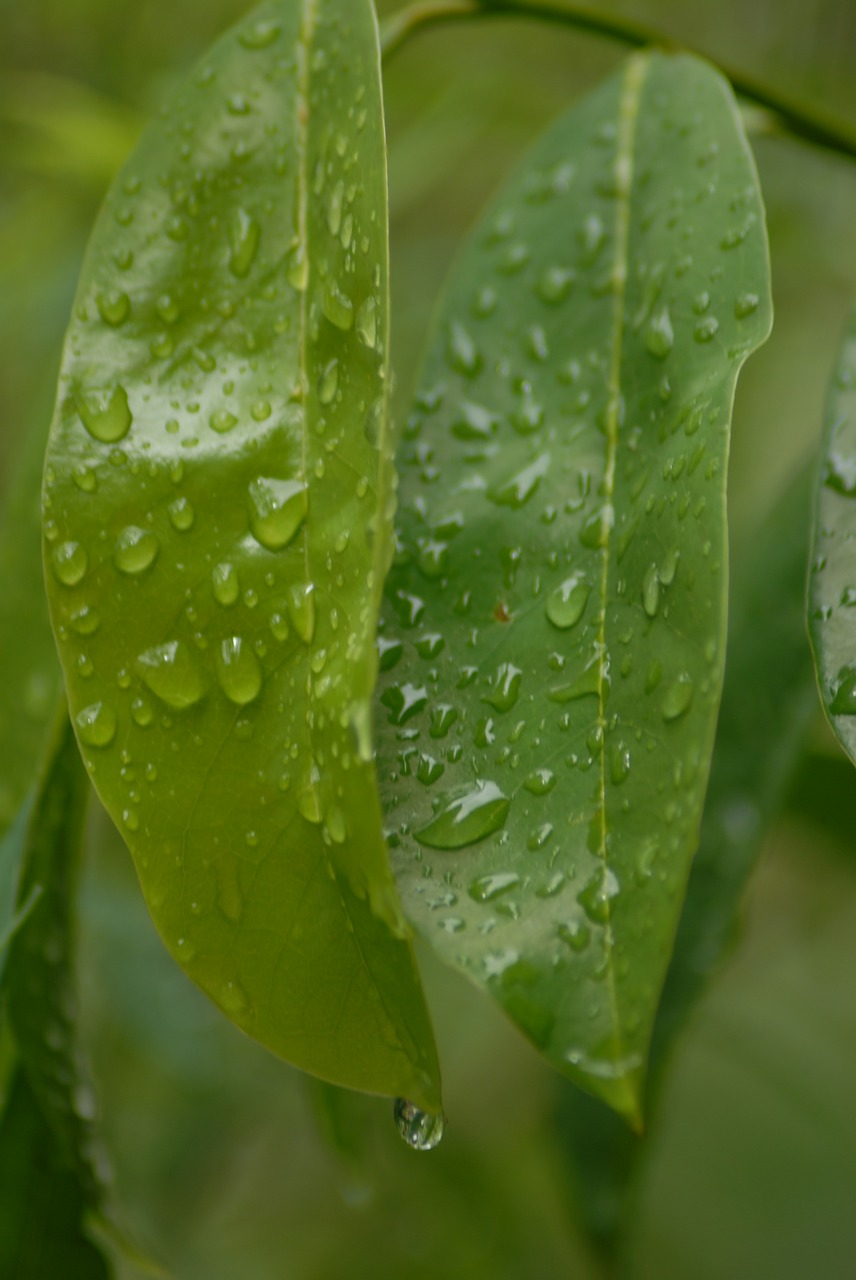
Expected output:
{"points": [[832, 574], [769, 704], [553, 644], [217, 508]]}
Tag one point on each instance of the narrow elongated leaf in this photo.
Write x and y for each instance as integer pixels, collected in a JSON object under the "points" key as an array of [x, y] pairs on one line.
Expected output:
{"points": [[554, 639], [768, 706], [50, 1171], [217, 530], [832, 574]]}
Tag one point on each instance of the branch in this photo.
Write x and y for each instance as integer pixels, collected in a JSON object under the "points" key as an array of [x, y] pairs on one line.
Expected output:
{"points": [[796, 119]]}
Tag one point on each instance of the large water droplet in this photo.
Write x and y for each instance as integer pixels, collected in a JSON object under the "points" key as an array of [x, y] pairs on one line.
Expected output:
{"points": [[421, 1130], [135, 550], [172, 675], [468, 815], [566, 604], [277, 510], [105, 413], [239, 671]]}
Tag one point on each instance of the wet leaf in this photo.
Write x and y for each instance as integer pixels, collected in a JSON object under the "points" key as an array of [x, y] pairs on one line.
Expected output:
{"points": [[553, 644], [768, 707], [218, 498], [832, 573]]}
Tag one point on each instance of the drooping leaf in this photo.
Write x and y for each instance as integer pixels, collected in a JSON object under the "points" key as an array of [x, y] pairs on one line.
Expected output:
{"points": [[554, 636], [218, 502], [832, 573], [768, 706]]}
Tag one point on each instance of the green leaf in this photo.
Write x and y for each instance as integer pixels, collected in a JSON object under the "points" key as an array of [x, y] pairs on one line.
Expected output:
{"points": [[42, 1204], [768, 706], [554, 636], [832, 575], [218, 506]]}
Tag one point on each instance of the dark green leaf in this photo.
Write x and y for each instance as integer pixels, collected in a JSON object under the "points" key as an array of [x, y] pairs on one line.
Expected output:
{"points": [[832, 575], [768, 704], [554, 638], [218, 494], [42, 1204]]}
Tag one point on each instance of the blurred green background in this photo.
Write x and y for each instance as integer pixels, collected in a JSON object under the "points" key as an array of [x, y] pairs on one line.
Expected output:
{"points": [[229, 1164]]}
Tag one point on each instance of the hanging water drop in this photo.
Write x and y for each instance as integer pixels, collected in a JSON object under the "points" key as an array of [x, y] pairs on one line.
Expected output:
{"points": [[421, 1130]]}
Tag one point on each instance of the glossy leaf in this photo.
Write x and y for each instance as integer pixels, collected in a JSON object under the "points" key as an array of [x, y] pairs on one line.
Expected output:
{"points": [[218, 498], [554, 637], [768, 707], [832, 576]]}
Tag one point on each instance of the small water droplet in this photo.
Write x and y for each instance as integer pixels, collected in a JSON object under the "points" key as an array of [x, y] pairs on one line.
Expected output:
{"points": [[338, 307], [239, 671], [421, 1130], [486, 888], [651, 591], [259, 35], [96, 725], [575, 934], [172, 675], [677, 698], [135, 550], [225, 583], [277, 510], [328, 383], [659, 336], [244, 236], [222, 421], [469, 815], [541, 782], [114, 307], [566, 603], [598, 893], [706, 329], [181, 515], [366, 323], [297, 267], [844, 700], [70, 562], [506, 687], [301, 610], [464, 355], [745, 305]]}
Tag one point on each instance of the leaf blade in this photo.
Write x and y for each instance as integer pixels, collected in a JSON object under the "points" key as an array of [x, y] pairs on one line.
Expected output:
{"points": [[584, 442], [228, 366]]}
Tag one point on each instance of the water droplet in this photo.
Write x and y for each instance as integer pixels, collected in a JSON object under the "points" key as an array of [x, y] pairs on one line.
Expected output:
{"points": [[105, 413], [222, 421], [486, 888], [517, 491], [181, 515], [261, 410], [706, 329], [575, 934], [244, 236], [367, 323], [651, 591], [474, 422], [566, 603], [225, 583], [554, 285], [70, 562], [172, 675], [541, 782], [335, 206], [135, 550], [421, 1130], [463, 353], [404, 701], [844, 701], [259, 35], [506, 687], [442, 719], [233, 999], [142, 712], [277, 510], [619, 763], [297, 267], [239, 671], [840, 474], [429, 770], [746, 305], [114, 307], [677, 698], [84, 621], [328, 383], [540, 837], [96, 725], [659, 336], [338, 307], [469, 815], [301, 610], [598, 893]]}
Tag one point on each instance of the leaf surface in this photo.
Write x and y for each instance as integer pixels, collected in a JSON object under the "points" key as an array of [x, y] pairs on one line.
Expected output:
{"points": [[768, 707], [218, 507], [554, 636], [832, 572]]}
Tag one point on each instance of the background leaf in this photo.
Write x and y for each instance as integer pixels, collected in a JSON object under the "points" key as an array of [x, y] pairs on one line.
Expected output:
{"points": [[553, 641], [832, 576], [768, 707], [217, 502]]}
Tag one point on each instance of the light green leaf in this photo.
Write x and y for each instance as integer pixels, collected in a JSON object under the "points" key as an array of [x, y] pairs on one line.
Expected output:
{"points": [[832, 573], [768, 707], [554, 639], [218, 505]]}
